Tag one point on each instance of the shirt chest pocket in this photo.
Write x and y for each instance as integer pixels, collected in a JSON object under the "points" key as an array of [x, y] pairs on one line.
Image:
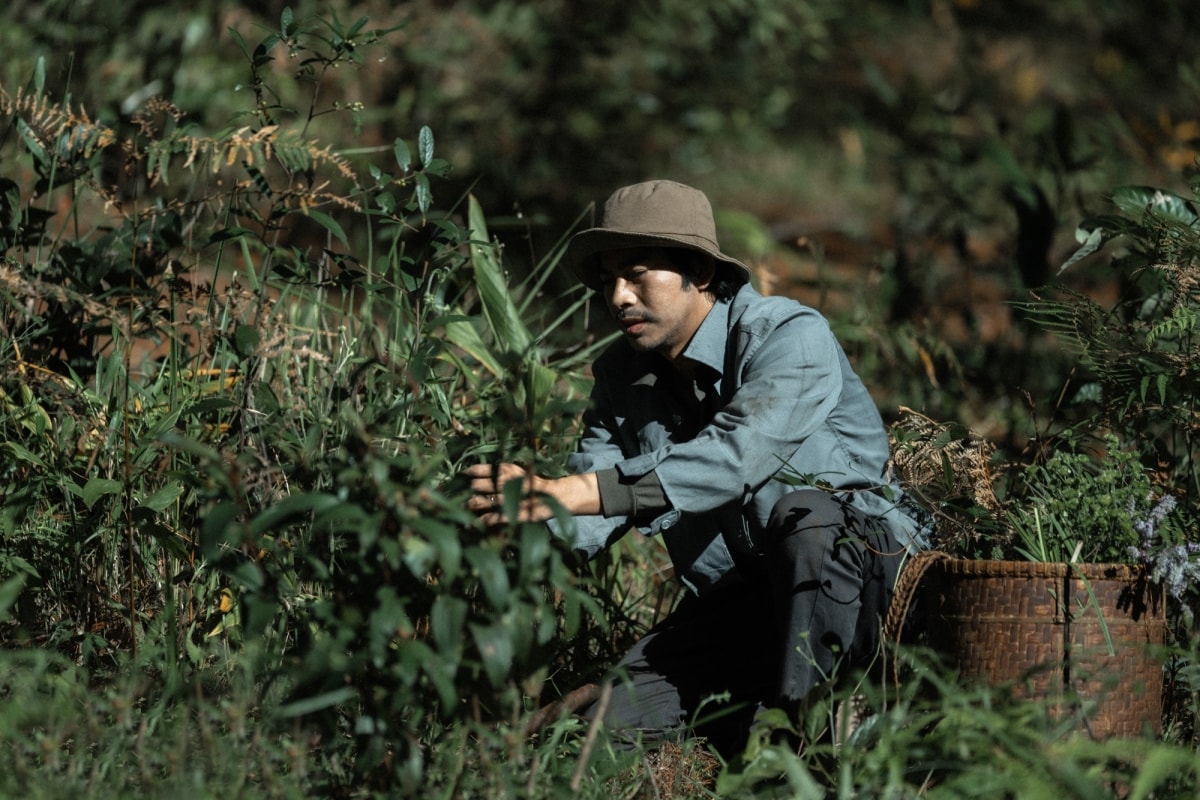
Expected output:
{"points": [[655, 418]]}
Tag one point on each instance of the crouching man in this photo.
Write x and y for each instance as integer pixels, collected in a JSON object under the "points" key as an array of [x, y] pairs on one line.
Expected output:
{"points": [[711, 396]]}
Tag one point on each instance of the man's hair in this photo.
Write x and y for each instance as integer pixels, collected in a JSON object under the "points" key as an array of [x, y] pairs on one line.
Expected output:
{"points": [[691, 264]]}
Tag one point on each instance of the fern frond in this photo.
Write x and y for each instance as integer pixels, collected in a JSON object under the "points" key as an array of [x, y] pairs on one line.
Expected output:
{"points": [[1183, 320]]}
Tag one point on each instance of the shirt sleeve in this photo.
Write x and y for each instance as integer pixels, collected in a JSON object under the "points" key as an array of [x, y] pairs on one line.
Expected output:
{"points": [[638, 499], [791, 381]]}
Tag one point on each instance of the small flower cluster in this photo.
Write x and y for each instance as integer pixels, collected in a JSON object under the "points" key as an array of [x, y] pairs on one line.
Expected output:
{"points": [[1170, 564]]}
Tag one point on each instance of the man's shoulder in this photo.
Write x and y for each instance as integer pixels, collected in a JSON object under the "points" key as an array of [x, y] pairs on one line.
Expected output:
{"points": [[751, 310]]}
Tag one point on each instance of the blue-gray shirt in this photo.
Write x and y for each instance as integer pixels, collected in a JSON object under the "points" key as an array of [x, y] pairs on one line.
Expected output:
{"points": [[787, 404]]}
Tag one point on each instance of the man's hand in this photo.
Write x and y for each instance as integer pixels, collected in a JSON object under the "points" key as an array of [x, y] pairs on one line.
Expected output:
{"points": [[578, 494]]}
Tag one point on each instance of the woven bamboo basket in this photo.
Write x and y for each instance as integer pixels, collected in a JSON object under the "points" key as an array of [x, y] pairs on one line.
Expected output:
{"points": [[1084, 637]]}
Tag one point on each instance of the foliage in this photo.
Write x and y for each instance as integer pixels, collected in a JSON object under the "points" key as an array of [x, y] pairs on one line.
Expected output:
{"points": [[1119, 481], [1116, 481], [268, 367], [1143, 356], [1078, 507], [1139, 372], [926, 735], [240, 370], [945, 143]]}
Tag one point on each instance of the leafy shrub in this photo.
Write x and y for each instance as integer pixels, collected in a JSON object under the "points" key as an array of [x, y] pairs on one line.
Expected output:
{"points": [[272, 364]]}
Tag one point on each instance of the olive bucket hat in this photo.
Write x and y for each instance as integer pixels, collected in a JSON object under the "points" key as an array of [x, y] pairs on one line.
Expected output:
{"points": [[651, 214]]}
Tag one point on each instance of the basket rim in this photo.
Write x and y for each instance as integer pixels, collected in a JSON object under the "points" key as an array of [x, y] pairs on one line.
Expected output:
{"points": [[1038, 569]]}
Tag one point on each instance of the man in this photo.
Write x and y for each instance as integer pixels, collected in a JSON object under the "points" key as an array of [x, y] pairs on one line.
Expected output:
{"points": [[733, 425]]}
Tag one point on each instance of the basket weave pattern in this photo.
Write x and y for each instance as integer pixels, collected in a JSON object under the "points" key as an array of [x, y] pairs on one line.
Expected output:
{"points": [[1042, 628]]}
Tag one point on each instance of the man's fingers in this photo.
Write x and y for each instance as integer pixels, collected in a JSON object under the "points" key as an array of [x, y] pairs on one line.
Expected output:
{"points": [[492, 478]]}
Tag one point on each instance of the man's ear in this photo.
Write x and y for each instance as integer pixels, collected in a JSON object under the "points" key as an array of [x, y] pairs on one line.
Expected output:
{"points": [[706, 273]]}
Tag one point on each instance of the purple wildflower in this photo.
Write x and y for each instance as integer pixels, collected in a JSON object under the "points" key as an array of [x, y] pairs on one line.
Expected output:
{"points": [[1170, 565]]}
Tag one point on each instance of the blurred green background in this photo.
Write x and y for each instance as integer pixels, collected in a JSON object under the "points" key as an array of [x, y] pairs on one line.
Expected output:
{"points": [[907, 167]]}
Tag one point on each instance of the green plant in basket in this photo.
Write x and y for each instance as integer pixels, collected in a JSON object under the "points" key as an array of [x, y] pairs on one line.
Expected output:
{"points": [[1083, 508]]}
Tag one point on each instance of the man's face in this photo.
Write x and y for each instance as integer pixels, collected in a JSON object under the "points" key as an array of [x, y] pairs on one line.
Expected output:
{"points": [[656, 305]]}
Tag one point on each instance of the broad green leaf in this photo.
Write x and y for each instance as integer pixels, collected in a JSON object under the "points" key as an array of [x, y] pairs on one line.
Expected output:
{"points": [[248, 575], [462, 334], [24, 453], [308, 705], [425, 145], [424, 195], [495, 645], [402, 153], [233, 232], [164, 498], [30, 139], [539, 384], [508, 330], [214, 531], [1019, 181], [446, 620], [240, 41], [96, 488], [245, 339], [190, 446], [159, 164], [1136, 200], [443, 539], [351, 517], [265, 399], [292, 506], [535, 551], [10, 590], [439, 167], [1163, 764], [419, 556], [206, 406], [388, 619], [23, 565], [493, 577], [442, 670], [194, 653], [328, 223], [1090, 242], [264, 48]]}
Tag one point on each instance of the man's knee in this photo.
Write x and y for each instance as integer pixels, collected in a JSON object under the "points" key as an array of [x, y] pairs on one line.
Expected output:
{"points": [[805, 510]]}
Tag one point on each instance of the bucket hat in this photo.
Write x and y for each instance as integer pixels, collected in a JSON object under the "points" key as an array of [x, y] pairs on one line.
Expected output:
{"points": [[651, 214]]}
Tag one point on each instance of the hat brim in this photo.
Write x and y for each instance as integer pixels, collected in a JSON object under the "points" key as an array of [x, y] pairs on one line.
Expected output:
{"points": [[586, 245]]}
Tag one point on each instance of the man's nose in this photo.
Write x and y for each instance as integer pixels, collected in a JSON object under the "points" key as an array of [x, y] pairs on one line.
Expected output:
{"points": [[619, 296]]}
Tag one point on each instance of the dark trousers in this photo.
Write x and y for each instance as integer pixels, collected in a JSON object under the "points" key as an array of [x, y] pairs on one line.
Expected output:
{"points": [[810, 608]]}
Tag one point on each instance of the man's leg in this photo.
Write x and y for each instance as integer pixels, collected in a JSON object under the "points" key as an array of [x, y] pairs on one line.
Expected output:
{"points": [[832, 572], [726, 642]]}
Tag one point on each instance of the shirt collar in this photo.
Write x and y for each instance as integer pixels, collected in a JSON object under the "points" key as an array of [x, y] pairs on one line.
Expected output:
{"points": [[707, 346]]}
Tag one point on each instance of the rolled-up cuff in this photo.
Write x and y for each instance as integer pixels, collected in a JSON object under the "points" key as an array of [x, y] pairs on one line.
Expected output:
{"points": [[642, 498]]}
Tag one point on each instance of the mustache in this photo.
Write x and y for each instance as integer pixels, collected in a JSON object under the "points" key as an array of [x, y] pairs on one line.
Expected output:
{"points": [[624, 314]]}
